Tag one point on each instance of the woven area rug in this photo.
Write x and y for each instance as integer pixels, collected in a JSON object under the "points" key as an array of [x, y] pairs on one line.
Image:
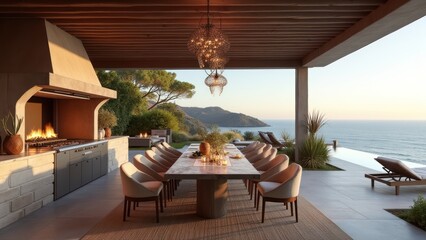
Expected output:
{"points": [[242, 221]]}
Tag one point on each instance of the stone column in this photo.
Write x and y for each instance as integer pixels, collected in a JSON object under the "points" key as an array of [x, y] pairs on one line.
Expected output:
{"points": [[301, 107]]}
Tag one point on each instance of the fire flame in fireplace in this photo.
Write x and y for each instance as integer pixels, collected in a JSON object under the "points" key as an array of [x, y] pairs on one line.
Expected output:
{"points": [[47, 133]]}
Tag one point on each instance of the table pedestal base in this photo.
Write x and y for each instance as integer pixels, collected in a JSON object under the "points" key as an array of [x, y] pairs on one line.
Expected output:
{"points": [[211, 198]]}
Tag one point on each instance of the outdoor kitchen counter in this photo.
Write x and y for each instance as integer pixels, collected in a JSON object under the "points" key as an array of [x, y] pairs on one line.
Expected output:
{"points": [[27, 179], [31, 152]]}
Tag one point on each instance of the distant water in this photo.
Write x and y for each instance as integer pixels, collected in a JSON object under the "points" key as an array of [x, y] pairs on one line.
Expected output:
{"points": [[404, 140]]}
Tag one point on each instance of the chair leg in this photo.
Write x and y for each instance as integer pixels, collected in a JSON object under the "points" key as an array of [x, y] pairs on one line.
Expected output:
{"points": [[286, 205], [263, 209], [255, 193], [161, 201], [251, 189], [257, 201], [170, 191], [124, 209], [291, 208], [295, 205], [129, 203], [165, 193], [156, 210]]}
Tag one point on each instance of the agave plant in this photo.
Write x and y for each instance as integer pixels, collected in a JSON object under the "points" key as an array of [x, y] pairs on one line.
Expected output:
{"points": [[16, 124], [314, 153], [314, 122]]}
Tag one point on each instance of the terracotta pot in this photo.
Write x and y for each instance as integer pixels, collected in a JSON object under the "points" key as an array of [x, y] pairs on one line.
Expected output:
{"points": [[13, 144], [108, 132], [205, 148]]}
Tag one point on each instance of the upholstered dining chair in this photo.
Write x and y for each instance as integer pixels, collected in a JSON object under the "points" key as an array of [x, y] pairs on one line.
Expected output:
{"points": [[258, 150], [268, 155], [266, 151], [249, 147], [281, 187], [151, 155], [165, 156], [148, 167], [139, 187], [274, 166], [172, 149], [167, 152]]}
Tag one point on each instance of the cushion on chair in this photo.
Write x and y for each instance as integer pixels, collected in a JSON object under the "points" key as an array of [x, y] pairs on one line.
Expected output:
{"points": [[266, 187], [154, 186], [398, 167]]}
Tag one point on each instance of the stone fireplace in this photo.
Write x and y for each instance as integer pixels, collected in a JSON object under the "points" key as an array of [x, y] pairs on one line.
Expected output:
{"points": [[41, 63]]}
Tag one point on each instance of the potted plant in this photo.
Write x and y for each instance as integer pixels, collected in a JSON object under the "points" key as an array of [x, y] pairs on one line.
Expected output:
{"points": [[106, 120], [216, 141], [13, 143]]}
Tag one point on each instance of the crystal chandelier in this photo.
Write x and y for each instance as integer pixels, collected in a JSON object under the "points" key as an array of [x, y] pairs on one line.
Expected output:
{"points": [[209, 44], [215, 81]]}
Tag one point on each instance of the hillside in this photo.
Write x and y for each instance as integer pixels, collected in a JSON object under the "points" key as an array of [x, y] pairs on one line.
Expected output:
{"points": [[222, 118]]}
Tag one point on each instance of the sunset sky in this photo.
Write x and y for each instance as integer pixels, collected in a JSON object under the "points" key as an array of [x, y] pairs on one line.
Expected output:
{"points": [[385, 80]]}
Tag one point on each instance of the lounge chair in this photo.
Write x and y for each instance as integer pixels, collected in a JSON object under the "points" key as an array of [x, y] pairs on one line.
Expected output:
{"points": [[275, 142], [397, 174], [269, 138], [265, 138]]}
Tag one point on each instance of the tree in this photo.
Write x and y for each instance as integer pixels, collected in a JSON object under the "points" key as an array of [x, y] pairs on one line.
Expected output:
{"points": [[177, 112], [129, 100], [158, 86], [154, 119]]}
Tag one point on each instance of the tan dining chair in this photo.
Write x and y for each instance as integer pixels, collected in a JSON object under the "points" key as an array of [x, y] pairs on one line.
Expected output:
{"points": [[249, 147], [147, 166], [139, 187], [267, 156], [151, 155], [258, 150], [172, 149], [281, 187], [274, 166], [165, 156], [167, 152]]}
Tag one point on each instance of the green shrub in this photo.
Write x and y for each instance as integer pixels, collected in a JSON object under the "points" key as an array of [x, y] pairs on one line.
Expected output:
{"points": [[290, 152], [417, 213], [196, 138], [248, 136], [153, 119], [233, 135], [314, 153], [179, 136]]}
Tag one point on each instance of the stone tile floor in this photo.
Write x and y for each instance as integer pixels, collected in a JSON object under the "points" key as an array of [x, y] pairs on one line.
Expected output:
{"points": [[343, 196]]}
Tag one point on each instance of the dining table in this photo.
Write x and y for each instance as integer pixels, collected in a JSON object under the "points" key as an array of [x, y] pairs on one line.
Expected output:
{"points": [[212, 177]]}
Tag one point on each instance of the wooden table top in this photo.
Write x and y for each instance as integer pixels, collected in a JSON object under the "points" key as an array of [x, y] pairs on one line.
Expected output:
{"points": [[186, 168]]}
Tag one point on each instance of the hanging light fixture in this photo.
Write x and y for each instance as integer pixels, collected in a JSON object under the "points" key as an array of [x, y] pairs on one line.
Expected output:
{"points": [[209, 44], [215, 81]]}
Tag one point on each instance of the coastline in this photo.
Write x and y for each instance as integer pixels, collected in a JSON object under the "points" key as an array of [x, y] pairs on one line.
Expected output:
{"points": [[398, 139]]}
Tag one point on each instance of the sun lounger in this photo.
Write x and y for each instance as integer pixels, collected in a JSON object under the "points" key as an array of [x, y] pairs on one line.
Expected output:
{"points": [[269, 138], [275, 142], [397, 174]]}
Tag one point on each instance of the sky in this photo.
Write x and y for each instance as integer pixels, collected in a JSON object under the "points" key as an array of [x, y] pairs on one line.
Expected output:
{"points": [[385, 80]]}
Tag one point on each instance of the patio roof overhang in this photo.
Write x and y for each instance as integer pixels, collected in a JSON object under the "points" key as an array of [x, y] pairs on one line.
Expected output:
{"points": [[263, 34]]}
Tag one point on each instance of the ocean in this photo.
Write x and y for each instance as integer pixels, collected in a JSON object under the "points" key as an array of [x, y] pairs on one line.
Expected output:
{"points": [[403, 140]]}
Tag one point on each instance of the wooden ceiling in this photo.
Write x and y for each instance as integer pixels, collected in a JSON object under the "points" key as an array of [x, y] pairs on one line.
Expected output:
{"points": [[263, 33]]}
